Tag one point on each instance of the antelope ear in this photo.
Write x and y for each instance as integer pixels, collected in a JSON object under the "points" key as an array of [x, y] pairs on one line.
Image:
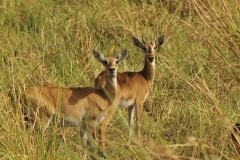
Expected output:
{"points": [[159, 42], [99, 57], [121, 55], [138, 43]]}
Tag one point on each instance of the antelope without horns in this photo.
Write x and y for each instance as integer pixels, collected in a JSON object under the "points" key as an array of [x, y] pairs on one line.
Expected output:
{"points": [[83, 107], [133, 87]]}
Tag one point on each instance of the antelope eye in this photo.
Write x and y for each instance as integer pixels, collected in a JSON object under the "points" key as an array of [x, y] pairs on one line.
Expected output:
{"points": [[145, 49], [105, 63]]}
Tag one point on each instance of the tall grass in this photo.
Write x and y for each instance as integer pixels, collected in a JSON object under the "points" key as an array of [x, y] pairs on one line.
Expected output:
{"points": [[194, 100]]}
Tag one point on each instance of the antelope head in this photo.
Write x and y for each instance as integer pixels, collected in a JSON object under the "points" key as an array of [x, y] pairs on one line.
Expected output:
{"points": [[111, 62], [149, 48]]}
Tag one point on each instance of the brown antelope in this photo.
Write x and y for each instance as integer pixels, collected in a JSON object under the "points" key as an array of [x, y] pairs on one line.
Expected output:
{"points": [[85, 107], [133, 87]]}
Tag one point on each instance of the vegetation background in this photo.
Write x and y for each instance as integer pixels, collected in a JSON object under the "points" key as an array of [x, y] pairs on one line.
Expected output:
{"points": [[195, 97]]}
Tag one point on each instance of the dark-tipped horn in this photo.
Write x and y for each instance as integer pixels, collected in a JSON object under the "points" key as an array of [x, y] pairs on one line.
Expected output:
{"points": [[143, 39]]}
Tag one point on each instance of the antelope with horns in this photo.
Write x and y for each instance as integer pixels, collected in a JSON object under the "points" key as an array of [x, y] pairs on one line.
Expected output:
{"points": [[133, 87], [83, 107]]}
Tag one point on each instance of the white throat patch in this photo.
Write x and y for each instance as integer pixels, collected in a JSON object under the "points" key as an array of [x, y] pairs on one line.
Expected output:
{"points": [[112, 81]]}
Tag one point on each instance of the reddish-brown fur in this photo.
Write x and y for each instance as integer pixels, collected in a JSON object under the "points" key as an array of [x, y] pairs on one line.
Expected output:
{"points": [[133, 87], [82, 106]]}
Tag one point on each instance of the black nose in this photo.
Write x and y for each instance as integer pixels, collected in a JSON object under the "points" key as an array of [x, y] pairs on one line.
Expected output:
{"points": [[151, 59], [111, 69]]}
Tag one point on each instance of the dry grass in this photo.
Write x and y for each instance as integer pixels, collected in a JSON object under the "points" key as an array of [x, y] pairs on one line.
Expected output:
{"points": [[194, 101]]}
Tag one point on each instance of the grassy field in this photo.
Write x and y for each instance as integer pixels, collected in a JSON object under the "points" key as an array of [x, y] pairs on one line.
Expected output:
{"points": [[195, 97]]}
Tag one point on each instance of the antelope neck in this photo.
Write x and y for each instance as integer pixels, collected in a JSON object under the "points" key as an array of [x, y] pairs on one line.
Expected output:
{"points": [[110, 88], [148, 71]]}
